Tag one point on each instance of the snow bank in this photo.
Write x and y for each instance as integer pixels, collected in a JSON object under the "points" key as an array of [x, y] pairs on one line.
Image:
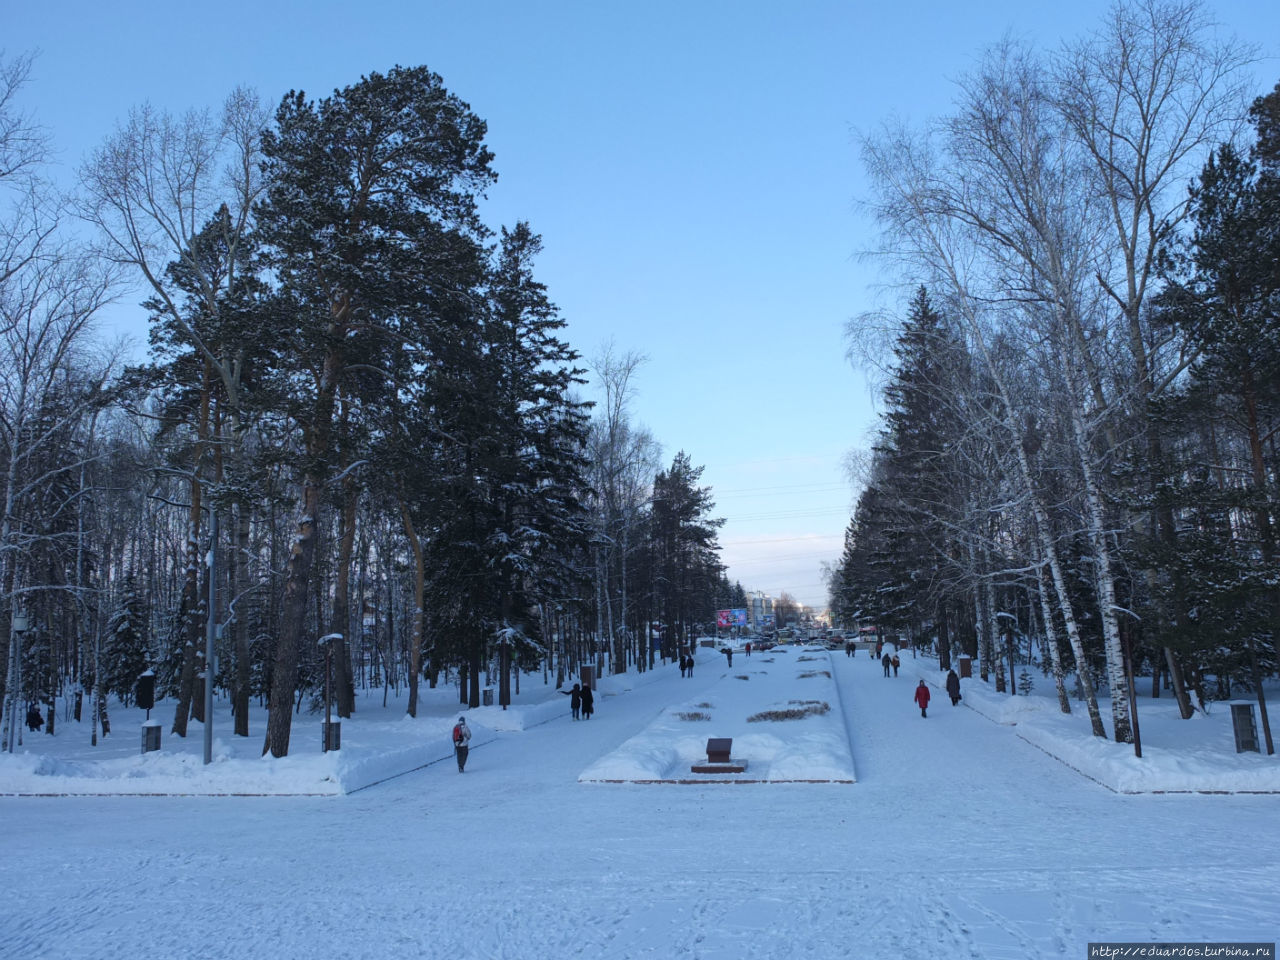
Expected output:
{"points": [[1178, 756]]}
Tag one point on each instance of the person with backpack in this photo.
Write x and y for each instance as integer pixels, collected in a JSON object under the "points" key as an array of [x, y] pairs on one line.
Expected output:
{"points": [[575, 699], [886, 663], [588, 702], [461, 741], [922, 697]]}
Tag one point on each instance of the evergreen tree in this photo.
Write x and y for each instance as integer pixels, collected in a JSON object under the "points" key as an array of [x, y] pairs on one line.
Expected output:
{"points": [[684, 533], [371, 229], [125, 653]]}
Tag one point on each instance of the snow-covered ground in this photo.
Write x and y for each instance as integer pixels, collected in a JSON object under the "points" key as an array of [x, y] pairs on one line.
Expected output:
{"points": [[963, 835]]}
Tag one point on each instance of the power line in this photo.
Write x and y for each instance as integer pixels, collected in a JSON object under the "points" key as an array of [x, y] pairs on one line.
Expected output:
{"points": [[816, 536]]}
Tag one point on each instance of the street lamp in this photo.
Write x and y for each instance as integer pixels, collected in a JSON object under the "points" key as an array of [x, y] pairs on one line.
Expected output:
{"points": [[327, 642]]}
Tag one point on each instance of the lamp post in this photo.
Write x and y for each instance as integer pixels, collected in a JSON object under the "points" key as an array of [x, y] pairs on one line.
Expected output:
{"points": [[211, 633], [327, 642], [17, 627]]}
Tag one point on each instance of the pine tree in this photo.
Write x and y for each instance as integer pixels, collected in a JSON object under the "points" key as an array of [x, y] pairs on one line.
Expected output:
{"points": [[684, 534], [370, 226]]}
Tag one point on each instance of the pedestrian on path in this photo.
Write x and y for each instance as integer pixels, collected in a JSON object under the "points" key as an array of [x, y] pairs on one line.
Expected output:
{"points": [[896, 664], [461, 741], [683, 664], [953, 687], [748, 649], [588, 702], [728, 652], [886, 663], [575, 699], [922, 697]]}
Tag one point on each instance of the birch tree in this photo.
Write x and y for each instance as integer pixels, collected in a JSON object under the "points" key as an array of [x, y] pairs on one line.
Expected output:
{"points": [[172, 200]]}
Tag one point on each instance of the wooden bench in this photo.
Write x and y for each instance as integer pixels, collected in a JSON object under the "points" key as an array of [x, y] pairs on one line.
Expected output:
{"points": [[718, 758]]}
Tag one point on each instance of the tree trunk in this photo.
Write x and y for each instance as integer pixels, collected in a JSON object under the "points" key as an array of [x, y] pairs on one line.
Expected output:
{"points": [[419, 601], [239, 574], [1051, 639], [284, 674], [192, 628], [340, 622]]}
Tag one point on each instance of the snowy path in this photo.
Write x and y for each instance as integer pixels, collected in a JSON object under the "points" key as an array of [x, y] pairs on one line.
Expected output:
{"points": [[959, 840]]}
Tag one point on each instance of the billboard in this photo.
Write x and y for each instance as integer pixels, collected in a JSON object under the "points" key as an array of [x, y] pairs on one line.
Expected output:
{"points": [[737, 617]]}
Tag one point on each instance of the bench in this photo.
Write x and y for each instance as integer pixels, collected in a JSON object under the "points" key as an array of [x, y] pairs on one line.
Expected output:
{"points": [[718, 758]]}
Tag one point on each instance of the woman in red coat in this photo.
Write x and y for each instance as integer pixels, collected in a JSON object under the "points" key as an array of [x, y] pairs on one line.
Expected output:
{"points": [[922, 697]]}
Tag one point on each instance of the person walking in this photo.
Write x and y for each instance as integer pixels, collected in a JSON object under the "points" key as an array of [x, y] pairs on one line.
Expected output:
{"points": [[886, 663], [953, 687], [728, 652], [748, 649], [588, 702], [575, 700], [896, 664], [922, 697], [689, 661], [34, 720], [684, 665], [461, 741]]}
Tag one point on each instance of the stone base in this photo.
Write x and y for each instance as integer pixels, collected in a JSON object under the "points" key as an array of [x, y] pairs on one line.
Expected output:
{"points": [[733, 766]]}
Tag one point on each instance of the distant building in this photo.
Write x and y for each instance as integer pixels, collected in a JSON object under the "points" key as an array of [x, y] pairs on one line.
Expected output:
{"points": [[760, 611]]}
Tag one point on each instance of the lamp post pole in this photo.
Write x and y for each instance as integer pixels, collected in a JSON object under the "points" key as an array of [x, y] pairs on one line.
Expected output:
{"points": [[327, 642], [211, 633]]}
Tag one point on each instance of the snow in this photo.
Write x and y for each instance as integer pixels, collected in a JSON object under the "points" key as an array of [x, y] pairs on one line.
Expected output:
{"points": [[994, 829]]}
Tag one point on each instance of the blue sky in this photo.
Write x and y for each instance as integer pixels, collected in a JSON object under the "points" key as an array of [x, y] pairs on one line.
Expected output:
{"points": [[690, 166]]}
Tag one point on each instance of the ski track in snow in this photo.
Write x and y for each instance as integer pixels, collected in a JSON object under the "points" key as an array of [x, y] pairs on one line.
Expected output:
{"points": [[959, 840]]}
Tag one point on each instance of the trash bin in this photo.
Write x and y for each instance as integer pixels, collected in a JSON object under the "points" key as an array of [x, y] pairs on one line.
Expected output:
{"points": [[150, 735], [331, 735], [486, 697], [1246, 729], [966, 666]]}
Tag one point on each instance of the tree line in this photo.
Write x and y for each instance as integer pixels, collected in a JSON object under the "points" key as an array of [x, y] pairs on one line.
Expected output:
{"points": [[358, 423], [1077, 464]]}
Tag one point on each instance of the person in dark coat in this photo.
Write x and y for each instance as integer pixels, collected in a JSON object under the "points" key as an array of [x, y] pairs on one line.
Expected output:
{"points": [[922, 697], [575, 700], [953, 687], [896, 664], [683, 665], [588, 702], [886, 663], [728, 652], [34, 720], [689, 664]]}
